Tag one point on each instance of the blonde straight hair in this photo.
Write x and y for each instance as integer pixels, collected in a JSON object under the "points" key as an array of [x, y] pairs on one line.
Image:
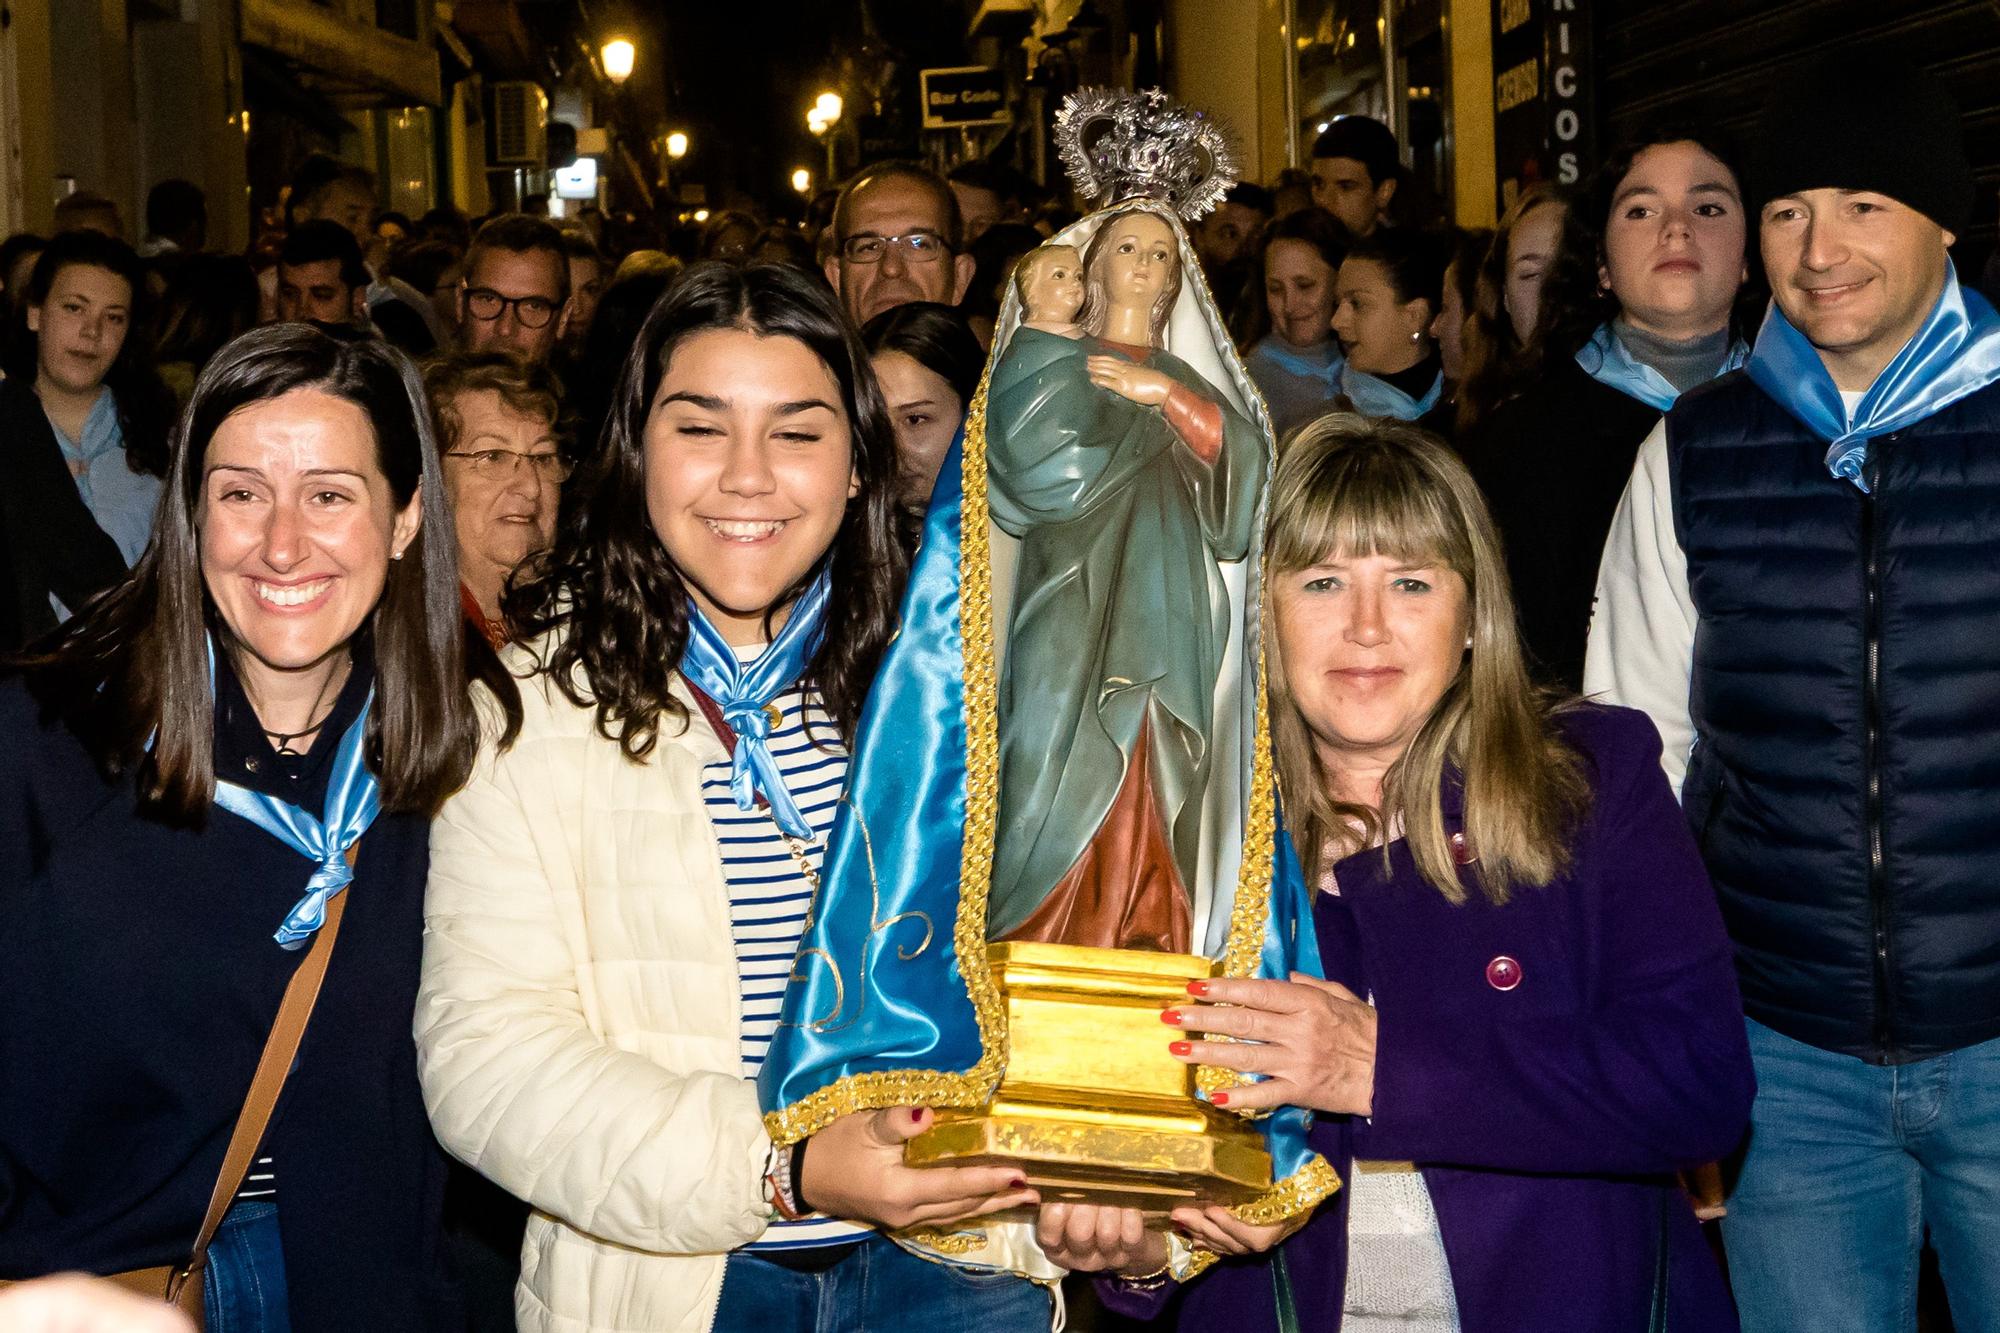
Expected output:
{"points": [[1354, 487]]}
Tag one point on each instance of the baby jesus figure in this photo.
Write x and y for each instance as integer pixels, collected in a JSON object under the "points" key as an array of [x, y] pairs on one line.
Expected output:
{"points": [[1050, 282]]}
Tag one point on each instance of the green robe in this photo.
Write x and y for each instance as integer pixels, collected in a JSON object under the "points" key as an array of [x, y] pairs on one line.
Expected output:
{"points": [[1120, 615]]}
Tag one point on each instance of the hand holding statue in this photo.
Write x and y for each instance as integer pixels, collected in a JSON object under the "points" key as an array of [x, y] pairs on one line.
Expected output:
{"points": [[1313, 1040], [1089, 1238], [854, 1169]]}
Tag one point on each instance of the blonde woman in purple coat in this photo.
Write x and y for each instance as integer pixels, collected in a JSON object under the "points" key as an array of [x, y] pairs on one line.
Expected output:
{"points": [[1533, 1022]]}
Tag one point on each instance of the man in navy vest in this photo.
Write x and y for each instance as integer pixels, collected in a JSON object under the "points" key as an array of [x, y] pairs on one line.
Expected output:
{"points": [[1802, 588]]}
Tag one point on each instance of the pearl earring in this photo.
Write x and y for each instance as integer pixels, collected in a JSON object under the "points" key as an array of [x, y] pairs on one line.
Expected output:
{"points": [[1417, 336]]}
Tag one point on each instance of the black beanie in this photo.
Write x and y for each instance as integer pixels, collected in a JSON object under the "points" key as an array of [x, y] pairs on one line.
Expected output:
{"points": [[1851, 122]]}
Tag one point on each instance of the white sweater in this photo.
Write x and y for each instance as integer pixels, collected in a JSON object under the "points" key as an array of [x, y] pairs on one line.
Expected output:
{"points": [[578, 1023], [1641, 647]]}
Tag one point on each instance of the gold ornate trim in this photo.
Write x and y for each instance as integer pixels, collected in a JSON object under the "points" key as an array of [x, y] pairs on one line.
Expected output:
{"points": [[932, 1087], [952, 1243], [1300, 1192]]}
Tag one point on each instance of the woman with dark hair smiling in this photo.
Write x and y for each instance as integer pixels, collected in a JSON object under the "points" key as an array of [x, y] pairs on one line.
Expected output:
{"points": [[214, 763], [1645, 299], [617, 898]]}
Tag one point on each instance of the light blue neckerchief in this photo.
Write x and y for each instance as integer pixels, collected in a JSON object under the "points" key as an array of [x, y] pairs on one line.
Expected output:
{"points": [[121, 500], [1954, 354], [353, 799], [1606, 359], [1293, 362], [743, 689], [1374, 397]]}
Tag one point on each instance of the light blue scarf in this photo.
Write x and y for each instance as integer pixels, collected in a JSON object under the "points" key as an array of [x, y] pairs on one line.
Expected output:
{"points": [[352, 801], [1606, 359], [1374, 397], [743, 689], [1954, 354], [1321, 363]]}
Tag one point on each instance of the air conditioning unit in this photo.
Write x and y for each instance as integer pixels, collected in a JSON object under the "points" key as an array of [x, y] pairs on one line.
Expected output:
{"points": [[517, 125]]}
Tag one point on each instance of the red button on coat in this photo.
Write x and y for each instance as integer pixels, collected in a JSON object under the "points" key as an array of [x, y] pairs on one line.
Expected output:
{"points": [[1503, 973], [1462, 850]]}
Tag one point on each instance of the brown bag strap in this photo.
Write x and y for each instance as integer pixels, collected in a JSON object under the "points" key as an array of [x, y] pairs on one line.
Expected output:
{"points": [[280, 1049]]}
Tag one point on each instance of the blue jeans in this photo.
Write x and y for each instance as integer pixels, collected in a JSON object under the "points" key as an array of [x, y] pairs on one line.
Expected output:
{"points": [[1848, 1164], [244, 1285], [879, 1288]]}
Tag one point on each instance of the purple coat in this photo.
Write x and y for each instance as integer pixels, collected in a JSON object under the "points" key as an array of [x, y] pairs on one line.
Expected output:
{"points": [[1547, 1117]]}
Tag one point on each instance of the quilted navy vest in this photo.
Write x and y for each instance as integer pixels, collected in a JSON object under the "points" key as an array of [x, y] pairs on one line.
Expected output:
{"points": [[1845, 784]]}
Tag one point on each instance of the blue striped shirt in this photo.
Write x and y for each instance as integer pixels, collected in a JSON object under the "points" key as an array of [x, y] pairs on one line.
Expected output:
{"points": [[770, 896]]}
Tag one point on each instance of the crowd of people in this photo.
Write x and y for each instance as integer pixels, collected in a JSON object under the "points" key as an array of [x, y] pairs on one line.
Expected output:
{"points": [[475, 567]]}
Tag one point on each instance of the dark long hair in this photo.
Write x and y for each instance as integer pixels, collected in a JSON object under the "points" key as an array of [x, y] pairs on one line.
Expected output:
{"points": [[936, 337], [1414, 262], [145, 405], [1574, 303], [610, 604], [1498, 365], [134, 665]]}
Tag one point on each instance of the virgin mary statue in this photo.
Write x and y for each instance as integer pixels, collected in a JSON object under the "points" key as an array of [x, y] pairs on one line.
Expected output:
{"points": [[1066, 742], [1130, 482]]}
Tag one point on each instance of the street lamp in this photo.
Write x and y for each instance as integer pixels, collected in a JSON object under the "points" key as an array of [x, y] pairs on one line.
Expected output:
{"points": [[677, 145], [618, 55], [802, 181], [820, 119]]}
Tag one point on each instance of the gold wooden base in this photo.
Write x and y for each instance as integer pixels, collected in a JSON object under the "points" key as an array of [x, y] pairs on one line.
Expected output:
{"points": [[1091, 1107]]}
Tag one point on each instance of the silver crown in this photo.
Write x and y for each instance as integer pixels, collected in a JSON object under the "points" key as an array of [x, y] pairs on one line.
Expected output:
{"points": [[1121, 145]]}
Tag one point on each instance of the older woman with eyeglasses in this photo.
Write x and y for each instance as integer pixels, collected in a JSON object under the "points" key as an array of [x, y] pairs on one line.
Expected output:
{"points": [[499, 425]]}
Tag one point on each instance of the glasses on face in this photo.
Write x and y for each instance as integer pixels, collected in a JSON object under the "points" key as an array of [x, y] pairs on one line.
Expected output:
{"points": [[533, 312], [499, 464], [916, 247]]}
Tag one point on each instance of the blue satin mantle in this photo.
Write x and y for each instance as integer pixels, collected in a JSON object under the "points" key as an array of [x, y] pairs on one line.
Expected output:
{"points": [[877, 987], [1606, 359], [1955, 353], [1373, 397]]}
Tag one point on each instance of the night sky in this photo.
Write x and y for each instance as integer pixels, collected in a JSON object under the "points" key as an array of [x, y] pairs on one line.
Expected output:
{"points": [[743, 72]]}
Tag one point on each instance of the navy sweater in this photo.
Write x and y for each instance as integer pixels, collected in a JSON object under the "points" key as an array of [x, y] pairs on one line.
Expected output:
{"points": [[138, 982]]}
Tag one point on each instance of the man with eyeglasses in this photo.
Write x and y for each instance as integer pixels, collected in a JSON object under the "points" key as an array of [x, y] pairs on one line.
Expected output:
{"points": [[897, 238], [515, 293], [500, 433]]}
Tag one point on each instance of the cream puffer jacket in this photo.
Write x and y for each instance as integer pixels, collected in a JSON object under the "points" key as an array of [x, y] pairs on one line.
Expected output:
{"points": [[577, 1028]]}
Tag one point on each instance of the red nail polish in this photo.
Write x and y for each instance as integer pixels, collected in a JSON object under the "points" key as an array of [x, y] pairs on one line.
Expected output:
{"points": [[1179, 1047], [1172, 1016], [1018, 1183], [1219, 1098], [1197, 988]]}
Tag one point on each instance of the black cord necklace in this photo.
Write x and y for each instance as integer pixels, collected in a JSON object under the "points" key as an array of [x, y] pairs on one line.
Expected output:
{"points": [[281, 741]]}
